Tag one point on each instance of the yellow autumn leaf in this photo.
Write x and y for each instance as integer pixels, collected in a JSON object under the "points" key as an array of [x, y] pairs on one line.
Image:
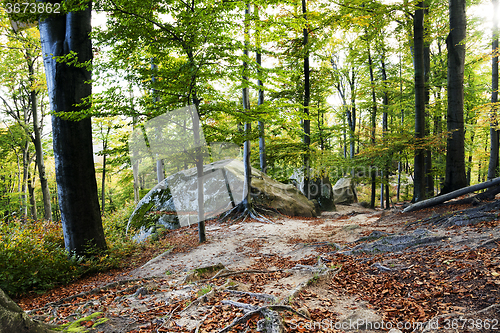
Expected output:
{"points": [[495, 273]]}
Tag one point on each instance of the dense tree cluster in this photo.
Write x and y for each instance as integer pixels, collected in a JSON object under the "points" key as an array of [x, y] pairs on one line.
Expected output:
{"points": [[400, 96]]}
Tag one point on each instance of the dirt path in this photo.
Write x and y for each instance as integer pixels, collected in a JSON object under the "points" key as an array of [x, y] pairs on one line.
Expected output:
{"points": [[344, 271], [239, 245]]}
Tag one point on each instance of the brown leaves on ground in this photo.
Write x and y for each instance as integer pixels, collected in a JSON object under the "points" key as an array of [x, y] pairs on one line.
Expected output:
{"points": [[419, 286], [427, 282]]}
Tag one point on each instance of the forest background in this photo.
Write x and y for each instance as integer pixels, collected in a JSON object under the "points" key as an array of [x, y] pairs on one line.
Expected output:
{"points": [[355, 88]]}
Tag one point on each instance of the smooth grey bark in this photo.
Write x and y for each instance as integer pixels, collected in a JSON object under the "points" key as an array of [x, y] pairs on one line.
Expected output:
{"points": [[384, 193], [103, 184], [400, 164], [455, 151], [37, 141], [26, 161], [160, 168], [350, 110], [260, 100], [202, 237], [494, 132], [373, 119], [103, 180], [429, 177], [247, 184], [418, 62], [135, 172], [306, 123], [69, 88], [31, 192]]}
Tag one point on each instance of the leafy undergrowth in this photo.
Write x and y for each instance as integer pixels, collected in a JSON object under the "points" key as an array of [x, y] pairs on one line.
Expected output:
{"points": [[33, 259], [125, 257]]}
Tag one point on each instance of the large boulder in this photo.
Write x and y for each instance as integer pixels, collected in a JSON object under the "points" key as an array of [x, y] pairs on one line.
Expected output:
{"points": [[344, 191], [173, 202]]}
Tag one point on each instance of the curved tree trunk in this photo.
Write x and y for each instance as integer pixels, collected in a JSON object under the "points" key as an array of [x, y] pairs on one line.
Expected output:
{"points": [[69, 90], [14, 319]]}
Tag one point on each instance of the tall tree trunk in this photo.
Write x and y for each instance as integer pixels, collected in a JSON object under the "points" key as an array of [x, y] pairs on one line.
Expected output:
{"points": [[31, 191], [307, 98], [24, 191], [494, 132], [385, 130], [247, 184], [260, 100], [160, 172], [419, 64], [373, 125], [104, 155], [135, 169], [103, 184], [455, 150], [429, 177], [351, 116], [37, 141], [68, 85], [199, 171], [400, 163]]}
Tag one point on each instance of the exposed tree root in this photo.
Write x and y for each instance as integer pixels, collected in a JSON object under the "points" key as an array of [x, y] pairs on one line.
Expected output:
{"points": [[67, 300], [319, 274], [240, 212], [263, 297], [470, 216], [205, 298], [493, 242]]}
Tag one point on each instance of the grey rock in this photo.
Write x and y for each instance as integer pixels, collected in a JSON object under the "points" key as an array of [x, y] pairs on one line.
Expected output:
{"points": [[173, 202], [344, 191]]}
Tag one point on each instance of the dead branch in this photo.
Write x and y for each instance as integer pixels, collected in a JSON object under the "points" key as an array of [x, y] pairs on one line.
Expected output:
{"points": [[445, 197]]}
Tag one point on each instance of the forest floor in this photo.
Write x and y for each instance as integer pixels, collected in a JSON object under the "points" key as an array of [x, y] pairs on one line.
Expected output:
{"points": [[353, 269]]}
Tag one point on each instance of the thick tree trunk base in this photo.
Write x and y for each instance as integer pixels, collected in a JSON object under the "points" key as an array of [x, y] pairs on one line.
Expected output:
{"points": [[14, 320]]}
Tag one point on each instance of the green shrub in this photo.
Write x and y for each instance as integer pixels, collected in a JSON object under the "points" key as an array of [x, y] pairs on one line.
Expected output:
{"points": [[33, 257]]}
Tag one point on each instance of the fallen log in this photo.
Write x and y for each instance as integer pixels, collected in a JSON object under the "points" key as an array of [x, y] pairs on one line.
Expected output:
{"points": [[448, 196]]}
